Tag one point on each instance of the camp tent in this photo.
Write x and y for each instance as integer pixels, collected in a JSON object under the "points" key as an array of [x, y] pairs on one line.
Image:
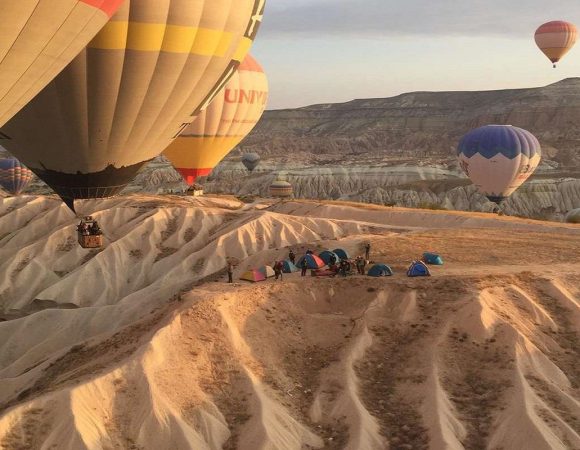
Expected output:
{"points": [[432, 258], [267, 271], [380, 270], [289, 267], [253, 275], [418, 269], [312, 261], [327, 255], [341, 253]]}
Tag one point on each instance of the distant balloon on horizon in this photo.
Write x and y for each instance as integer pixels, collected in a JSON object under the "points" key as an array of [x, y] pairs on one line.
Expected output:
{"points": [[499, 159], [251, 161], [555, 39], [14, 177]]}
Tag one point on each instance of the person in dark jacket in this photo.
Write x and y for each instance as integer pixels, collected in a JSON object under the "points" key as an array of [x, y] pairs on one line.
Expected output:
{"points": [[292, 257], [368, 251], [278, 270], [332, 260], [230, 272], [304, 266]]}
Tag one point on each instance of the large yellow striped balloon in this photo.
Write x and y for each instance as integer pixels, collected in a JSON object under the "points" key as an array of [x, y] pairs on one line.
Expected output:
{"points": [[38, 38], [223, 125], [137, 86]]}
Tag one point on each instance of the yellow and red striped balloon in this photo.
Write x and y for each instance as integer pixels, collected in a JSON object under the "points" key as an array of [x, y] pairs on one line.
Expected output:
{"points": [[556, 39], [38, 38], [223, 125]]}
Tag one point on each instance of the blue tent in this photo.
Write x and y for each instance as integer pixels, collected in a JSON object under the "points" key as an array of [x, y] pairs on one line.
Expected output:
{"points": [[341, 253], [326, 255], [432, 258], [312, 261], [288, 267], [380, 270], [418, 269]]}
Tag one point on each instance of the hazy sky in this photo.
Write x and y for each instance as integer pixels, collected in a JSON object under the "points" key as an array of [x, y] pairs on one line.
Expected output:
{"points": [[318, 51]]}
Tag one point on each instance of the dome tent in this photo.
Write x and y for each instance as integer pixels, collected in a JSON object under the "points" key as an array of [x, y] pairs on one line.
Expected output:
{"points": [[326, 255], [253, 276], [289, 267], [267, 271], [380, 270], [418, 269], [312, 261], [341, 253], [433, 259]]}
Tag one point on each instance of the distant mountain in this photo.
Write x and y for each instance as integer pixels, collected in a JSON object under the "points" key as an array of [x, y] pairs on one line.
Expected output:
{"points": [[419, 125]]}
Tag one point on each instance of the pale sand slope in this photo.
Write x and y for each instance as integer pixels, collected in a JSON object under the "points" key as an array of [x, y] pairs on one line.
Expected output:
{"points": [[99, 350]]}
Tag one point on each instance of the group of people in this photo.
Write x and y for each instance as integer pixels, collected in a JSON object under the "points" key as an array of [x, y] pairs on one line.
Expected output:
{"points": [[89, 230], [342, 267]]}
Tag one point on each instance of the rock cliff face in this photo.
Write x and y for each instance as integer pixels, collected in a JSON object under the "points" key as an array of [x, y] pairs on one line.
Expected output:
{"points": [[421, 124]]}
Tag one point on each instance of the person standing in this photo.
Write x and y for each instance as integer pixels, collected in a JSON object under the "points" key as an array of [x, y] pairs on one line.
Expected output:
{"points": [[368, 251], [332, 260], [292, 257], [358, 265], [278, 270], [230, 272], [304, 266]]}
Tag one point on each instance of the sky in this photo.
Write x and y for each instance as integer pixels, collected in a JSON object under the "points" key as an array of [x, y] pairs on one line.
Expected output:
{"points": [[328, 51]]}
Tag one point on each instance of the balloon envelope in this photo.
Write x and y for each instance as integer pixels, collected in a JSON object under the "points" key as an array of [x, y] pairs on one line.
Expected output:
{"points": [[555, 39], [139, 83], [38, 39], [281, 189], [223, 125], [251, 161], [14, 177], [499, 159], [573, 216]]}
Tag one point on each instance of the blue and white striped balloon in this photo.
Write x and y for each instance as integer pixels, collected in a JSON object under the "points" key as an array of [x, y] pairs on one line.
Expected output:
{"points": [[14, 177], [499, 159]]}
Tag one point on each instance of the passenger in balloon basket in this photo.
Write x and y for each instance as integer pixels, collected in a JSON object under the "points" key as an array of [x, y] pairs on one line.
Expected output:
{"points": [[83, 228], [95, 229]]}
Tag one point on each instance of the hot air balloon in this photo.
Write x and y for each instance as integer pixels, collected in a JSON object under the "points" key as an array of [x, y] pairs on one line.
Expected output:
{"points": [[281, 189], [223, 125], [251, 161], [555, 39], [499, 159], [136, 87], [14, 177], [38, 39], [573, 216]]}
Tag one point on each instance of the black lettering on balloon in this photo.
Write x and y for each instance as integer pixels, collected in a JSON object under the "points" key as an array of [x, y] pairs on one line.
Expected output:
{"points": [[256, 19], [227, 75], [183, 127]]}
